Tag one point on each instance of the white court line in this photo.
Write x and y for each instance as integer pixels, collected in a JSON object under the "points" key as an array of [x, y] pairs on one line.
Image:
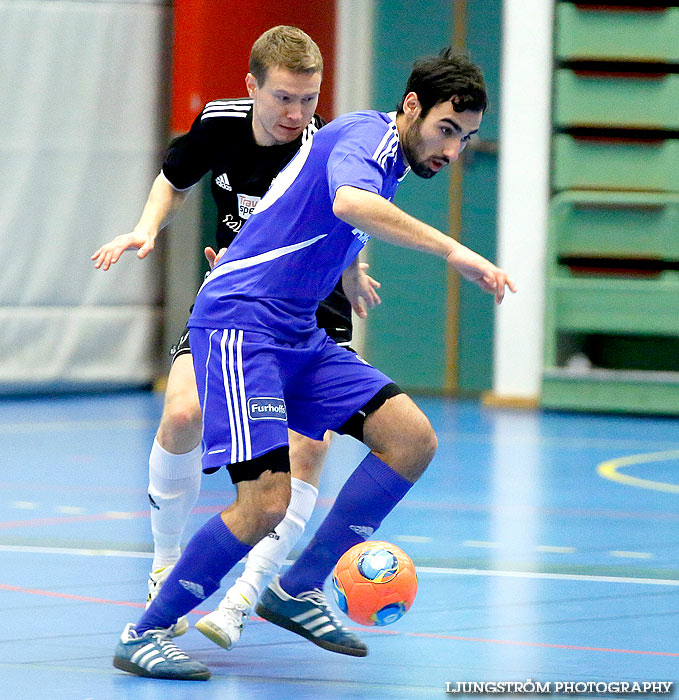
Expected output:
{"points": [[27, 549], [540, 574], [420, 569], [554, 441]]}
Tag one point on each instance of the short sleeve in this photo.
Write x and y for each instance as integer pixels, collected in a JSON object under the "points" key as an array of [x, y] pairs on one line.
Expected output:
{"points": [[360, 155], [186, 160]]}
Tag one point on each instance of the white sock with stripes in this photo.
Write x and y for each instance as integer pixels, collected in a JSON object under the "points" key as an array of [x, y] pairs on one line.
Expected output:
{"points": [[174, 485], [266, 558]]}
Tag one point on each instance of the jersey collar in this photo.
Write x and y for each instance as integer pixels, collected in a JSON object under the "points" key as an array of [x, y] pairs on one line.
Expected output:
{"points": [[403, 163]]}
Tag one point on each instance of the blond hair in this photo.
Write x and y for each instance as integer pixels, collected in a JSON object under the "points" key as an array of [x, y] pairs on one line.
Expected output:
{"points": [[286, 47]]}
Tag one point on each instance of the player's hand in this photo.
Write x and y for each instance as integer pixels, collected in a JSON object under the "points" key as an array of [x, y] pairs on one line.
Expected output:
{"points": [[110, 252], [476, 268], [212, 257], [360, 289]]}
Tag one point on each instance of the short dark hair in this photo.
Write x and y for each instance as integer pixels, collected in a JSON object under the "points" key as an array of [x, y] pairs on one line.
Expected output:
{"points": [[450, 76]]}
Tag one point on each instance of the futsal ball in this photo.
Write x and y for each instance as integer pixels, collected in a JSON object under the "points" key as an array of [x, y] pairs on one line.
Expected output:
{"points": [[374, 583]]}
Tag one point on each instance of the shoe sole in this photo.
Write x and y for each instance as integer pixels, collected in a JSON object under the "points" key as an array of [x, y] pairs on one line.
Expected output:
{"points": [[214, 633], [126, 665], [295, 627]]}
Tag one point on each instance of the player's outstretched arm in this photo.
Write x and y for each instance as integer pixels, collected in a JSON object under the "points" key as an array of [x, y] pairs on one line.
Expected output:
{"points": [[360, 288], [375, 215], [162, 204]]}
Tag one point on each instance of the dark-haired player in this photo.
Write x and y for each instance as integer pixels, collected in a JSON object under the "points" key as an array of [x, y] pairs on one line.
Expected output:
{"points": [[253, 332]]}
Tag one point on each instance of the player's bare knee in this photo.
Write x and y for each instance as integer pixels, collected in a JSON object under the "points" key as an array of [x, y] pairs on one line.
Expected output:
{"points": [[427, 444], [424, 438], [307, 457], [401, 435], [181, 425]]}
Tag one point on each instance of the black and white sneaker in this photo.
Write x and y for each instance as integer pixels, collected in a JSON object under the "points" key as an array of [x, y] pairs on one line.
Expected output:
{"points": [[310, 616], [155, 655]]}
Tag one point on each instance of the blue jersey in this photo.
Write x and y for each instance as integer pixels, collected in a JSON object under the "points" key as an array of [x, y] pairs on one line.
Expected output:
{"points": [[293, 249]]}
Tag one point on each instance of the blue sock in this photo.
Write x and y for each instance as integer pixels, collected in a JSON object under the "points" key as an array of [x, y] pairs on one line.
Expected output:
{"points": [[367, 497], [209, 555]]}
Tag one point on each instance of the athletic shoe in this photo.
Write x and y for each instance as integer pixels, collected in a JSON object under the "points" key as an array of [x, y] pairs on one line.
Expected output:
{"points": [[156, 580], [225, 625], [154, 655], [310, 616]]}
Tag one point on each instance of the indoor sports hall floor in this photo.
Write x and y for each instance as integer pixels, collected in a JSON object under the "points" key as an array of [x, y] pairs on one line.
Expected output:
{"points": [[532, 564]]}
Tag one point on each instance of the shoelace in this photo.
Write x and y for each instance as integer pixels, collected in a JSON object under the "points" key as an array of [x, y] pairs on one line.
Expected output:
{"points": [[317, 597], [168, 648]]}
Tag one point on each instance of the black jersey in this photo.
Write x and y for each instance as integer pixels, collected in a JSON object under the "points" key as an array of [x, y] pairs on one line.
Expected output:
{"points": [[221, 141]]}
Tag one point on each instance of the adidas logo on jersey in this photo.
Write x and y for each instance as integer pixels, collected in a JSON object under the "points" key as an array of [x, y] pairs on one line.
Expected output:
{"points": [[193, 588], [223, 182], [363, 530]]}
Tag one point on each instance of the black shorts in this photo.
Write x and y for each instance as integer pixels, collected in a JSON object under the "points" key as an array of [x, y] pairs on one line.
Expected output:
{"points": [[333, 316]]}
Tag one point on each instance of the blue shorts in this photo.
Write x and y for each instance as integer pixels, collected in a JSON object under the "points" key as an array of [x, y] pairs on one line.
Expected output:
{"points": [[253, 387]]}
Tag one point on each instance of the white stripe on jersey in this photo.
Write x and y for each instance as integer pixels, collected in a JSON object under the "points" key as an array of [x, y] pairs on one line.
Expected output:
{"points": [[388, 146], [228, 101], [222, 270], [389, 134], [388, 152], [223, 114], [243, 404], [233, 387], [227, 393], [227, 108], [236, 104], [176, 189], [207, 364], [285, 178]]}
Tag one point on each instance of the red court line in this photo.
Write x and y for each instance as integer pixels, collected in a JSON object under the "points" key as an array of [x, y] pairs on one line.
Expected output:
{"points": [[80, 598], [427, 635], [541, 644]]}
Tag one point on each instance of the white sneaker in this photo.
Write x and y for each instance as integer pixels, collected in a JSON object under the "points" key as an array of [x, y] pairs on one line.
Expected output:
{"points": [[156, 580], [225, 625]]}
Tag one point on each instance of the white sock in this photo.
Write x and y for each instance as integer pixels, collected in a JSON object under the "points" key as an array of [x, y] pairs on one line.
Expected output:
{"points": [[268, 555], [174, 485]]}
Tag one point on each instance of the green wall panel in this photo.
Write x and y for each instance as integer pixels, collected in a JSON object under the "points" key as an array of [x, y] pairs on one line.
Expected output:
{"points": [[413, 314], [476, 309], [406, 335], [479, 205]]}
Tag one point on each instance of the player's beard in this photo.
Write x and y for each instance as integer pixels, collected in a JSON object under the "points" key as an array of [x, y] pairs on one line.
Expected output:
{"points": [[412, 144]]}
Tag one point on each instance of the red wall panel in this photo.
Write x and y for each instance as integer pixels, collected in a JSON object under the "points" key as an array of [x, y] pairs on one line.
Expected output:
{"points": [[212, 41]]}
